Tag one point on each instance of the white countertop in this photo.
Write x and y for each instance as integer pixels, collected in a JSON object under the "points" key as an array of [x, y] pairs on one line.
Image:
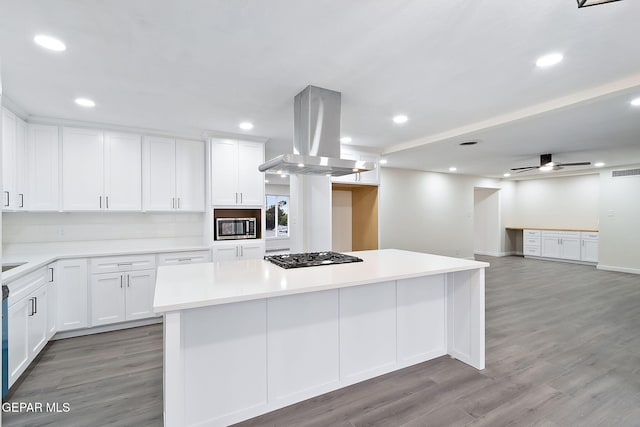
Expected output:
{"points": [[34, 261], [183, 287]]}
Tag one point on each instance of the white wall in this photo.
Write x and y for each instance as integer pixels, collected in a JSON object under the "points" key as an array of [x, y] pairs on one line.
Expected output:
{"points": [[486, 221], [341, 219], [619, 214], [563, 202], [433, 212], [50, 228]]}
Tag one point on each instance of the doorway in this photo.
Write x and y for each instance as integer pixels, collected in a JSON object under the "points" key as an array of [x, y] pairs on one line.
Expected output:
{"points": [[486, 221]]}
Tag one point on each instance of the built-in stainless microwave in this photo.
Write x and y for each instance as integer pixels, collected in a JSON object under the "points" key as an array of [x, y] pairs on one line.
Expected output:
{"points": [[235, 228]]}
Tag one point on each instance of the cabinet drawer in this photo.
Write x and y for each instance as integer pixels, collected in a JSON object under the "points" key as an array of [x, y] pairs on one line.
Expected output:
{"points": [[531, 241], [191, 257], [23, 286], [531, 233], [122, 263], [590, 235], [532, 250]]}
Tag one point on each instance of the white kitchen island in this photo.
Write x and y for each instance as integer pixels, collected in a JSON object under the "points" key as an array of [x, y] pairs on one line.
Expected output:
{"points": [[242, 338]]}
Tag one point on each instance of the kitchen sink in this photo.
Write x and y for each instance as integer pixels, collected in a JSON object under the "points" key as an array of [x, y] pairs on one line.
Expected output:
{"points": [[7, 267]]}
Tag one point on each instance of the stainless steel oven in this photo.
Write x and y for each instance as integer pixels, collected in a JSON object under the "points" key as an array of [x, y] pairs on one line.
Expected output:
{"points": [[235, 228]]}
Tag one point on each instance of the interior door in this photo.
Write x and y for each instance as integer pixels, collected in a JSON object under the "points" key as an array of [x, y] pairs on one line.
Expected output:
{"points": [[190, 175], [82, 169], [123, 172], [139, 291]]}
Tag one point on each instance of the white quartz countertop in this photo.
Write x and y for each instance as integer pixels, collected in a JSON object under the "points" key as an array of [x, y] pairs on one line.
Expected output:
{"points": [[183, 287], [31, 262]]}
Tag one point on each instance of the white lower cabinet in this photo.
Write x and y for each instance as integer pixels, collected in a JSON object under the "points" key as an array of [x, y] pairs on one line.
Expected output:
{"points": [[27, 330], [121, 296], [52, 301], [176, 258], [71, 285], [561, 244], [237, 250], [590, 246]]}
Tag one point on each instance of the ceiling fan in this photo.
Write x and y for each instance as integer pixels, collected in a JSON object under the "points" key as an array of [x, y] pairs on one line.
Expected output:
{"points": [[546, 164]]}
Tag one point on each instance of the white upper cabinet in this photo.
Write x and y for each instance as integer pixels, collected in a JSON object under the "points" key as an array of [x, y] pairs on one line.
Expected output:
{"points": [[82, 169], [173, 175], [369, 178], [42, 181], [123, 172], [100, 171], [14, 132], [235, 179], [190, 177]]}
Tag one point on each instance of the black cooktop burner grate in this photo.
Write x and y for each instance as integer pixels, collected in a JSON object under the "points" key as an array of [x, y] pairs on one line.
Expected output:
{"points": [[311, 259]]}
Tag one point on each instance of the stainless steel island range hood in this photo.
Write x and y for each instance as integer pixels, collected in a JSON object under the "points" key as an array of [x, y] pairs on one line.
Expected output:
{"points": [[316, 138]]}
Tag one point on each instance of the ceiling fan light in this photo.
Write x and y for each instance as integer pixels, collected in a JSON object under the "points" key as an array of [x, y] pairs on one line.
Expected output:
{"points": [[546, 168], [586, 3]]}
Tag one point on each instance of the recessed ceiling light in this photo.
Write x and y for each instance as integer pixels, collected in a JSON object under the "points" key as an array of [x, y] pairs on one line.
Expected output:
{"points": [[345, 139], [246, 126], [549, 60], [599, 164], [635, 102], [300, 165], [328, 174], [507, 175], [383, 161], [283, 175], [50, 43], [85, 102], [453, 169], [400, 119]]}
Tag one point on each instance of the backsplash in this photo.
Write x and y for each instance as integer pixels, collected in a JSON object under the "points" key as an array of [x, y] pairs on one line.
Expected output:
{"points": [[18, 228]]}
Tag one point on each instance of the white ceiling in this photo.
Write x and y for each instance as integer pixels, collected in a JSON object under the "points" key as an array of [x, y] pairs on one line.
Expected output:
{"points": [[459, 69]]}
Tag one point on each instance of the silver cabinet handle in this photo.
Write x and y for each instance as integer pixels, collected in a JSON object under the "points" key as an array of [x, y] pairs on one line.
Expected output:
{"points": [[184, 259], [7, 203], [107, 202], [237, 252], [21, 200], [236, 200], [128, 281], [51, 269], [121, 278], [35, 303], [240, 198], [178, 202], [33, 307], [120, 264]]}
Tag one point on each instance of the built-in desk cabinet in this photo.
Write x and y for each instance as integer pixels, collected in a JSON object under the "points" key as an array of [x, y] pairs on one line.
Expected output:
{"points": [[566, 245]]}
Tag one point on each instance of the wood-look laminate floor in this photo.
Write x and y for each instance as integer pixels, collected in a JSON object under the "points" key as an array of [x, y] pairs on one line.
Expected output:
{"points": [[563, 349]]}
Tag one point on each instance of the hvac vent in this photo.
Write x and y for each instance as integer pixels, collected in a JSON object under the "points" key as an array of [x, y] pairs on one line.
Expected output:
{"points": [[627, 172]]}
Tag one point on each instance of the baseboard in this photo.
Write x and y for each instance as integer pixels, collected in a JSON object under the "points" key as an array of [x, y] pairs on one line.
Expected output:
{"points": [[569, 261], [618, 269], [106, 328], [496, 254]]}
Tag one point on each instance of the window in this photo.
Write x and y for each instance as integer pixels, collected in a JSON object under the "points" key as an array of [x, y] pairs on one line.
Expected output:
{"points": [[277, 213]]}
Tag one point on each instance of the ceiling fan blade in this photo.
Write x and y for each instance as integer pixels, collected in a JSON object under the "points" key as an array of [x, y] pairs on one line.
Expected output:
{"points": [[527, 167], [575, 164], [520, 170]]}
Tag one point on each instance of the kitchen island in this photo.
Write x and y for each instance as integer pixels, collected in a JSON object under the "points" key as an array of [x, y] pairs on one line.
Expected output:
{"points": [[242, 338]]}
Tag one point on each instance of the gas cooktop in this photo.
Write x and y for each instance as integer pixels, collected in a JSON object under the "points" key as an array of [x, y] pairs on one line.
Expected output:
{"points": [[311, 259]]}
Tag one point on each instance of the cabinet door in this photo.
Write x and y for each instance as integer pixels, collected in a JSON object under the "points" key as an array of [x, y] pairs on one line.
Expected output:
{"points": [[551, 246], [82, 170], [52, 301], [224, 173], [589, 250], [140, 287], [190, 175], [18, 318], [224, 252], [107, 298], [123, 172], [21, 161], [252, 250], [38, 322], [71, 283], [370, 177], [159, 174], [570, 248], [250, 179], [9, 121], [351, 178], [43, 185]]}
